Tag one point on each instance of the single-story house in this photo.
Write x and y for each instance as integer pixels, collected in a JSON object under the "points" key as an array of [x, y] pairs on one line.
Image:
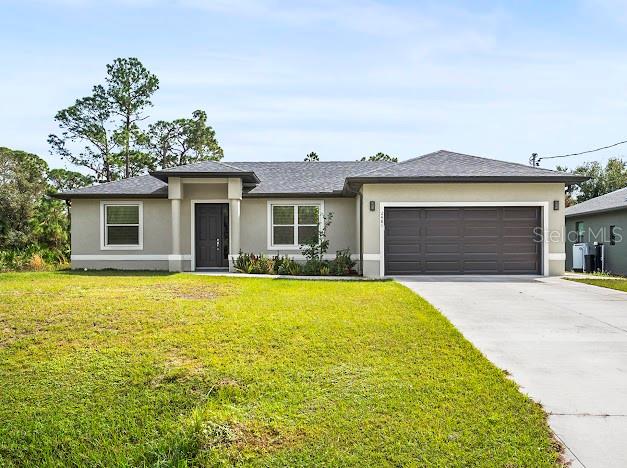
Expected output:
{"points": [[602, 219], [441, 213]]}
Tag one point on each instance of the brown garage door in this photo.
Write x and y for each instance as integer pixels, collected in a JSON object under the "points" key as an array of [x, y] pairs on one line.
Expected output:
{"points": [[493, 240]]}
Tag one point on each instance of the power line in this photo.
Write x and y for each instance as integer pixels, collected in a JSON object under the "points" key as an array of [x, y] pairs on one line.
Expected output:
{"points": [[535, 160]]}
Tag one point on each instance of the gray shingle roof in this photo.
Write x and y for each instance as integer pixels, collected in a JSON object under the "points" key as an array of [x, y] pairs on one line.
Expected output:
{"points": [[144, 186], [330, 177], [305, 177], [610, 201], [206, 169], [450, 165]]}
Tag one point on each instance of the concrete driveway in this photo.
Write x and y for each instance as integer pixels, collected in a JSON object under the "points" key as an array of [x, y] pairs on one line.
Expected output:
{"points": [[564, 343]]}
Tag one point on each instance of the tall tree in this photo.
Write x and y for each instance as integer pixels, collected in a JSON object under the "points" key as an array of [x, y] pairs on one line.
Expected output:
{"points": [[87, 123], [22, 186], [182, 141], [130, 87], [61, 180], [380, 157], [602, 179], [312, 157], [569, 200]]}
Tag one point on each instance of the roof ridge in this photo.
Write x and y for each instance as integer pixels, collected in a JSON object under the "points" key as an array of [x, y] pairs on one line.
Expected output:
{"points": [[484, 158], [115, 181], [226, 164], [415, 158], [361, 174], [317, 162], [398, 163]]}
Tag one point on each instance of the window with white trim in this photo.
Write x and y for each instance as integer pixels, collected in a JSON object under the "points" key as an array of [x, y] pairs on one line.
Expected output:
{"points": [[294, 224], [122, 225]]}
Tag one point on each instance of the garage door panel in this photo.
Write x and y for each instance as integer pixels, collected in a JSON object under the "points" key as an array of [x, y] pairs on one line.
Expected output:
{"points": [[485, 230], [442, 248], [483, 267], [480, 214], [443, 230], [518, 231], [405, 249], [497, 240], [441, 214], [519, 248], [520, 212], [479, 248], [438, 266], [407, 232]]}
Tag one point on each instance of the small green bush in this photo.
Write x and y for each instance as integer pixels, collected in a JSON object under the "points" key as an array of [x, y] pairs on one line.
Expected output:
{"points": [[243, 263], [35, 258], [343, 264], [289, 266], [283, 265]]}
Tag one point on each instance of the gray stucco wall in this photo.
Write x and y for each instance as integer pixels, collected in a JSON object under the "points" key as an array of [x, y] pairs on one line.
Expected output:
{"points": [[462, 193], [597, 229], [86, 228], [86, 243], [341, 233], [157, 238]]}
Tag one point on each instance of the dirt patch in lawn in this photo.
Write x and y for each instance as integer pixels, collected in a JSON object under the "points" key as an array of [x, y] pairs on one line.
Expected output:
{"points": [[171, 291], [243, 437]]}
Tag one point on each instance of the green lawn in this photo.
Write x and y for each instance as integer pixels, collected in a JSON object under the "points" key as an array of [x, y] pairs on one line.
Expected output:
{"points": [[184, 370], [618, 284]]}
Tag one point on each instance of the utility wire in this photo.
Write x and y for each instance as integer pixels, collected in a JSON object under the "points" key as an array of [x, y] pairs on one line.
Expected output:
{"points": [[535, 160]]}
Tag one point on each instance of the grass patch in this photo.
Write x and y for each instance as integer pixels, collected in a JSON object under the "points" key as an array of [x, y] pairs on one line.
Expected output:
{"points": [[181, 370], [618, 284]]}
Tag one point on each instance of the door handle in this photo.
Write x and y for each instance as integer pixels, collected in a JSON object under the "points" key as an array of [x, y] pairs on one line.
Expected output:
{"points": [[218, 243]]}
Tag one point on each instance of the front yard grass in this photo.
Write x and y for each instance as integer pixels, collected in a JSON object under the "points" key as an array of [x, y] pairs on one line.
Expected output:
{"points": [[618, 284], [181, 370]]}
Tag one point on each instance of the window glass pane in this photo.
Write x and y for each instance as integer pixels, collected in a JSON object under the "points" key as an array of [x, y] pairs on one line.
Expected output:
{"points": [[123, 235], [307, 233], [122, 214], [283, 235], [307, 215], [283, 215]]}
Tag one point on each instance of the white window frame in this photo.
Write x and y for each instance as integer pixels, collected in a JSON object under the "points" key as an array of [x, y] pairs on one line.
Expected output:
{"points": [[103, 225], [295, 203]]}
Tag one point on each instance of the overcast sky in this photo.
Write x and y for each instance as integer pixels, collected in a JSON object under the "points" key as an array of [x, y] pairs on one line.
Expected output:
{"points": [[343, 78]]}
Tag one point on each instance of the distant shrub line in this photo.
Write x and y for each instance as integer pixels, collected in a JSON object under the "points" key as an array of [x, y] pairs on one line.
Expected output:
{"points": [[34, 258]]}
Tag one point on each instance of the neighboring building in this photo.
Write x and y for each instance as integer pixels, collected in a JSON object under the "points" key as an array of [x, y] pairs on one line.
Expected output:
{"points": [[441, 213], [601, 219]]}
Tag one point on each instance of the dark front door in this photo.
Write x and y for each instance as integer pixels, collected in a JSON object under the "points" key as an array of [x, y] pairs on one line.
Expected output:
{"points": [[211, 235], [477, 240]]}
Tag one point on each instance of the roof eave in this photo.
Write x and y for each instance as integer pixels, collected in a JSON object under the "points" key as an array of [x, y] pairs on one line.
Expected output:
{"points": [[595, 212], [249, 177], [335, 194], [96, 196], [567, 179]]}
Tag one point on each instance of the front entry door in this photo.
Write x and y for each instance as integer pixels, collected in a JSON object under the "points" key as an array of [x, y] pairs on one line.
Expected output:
{"points": [[211, 235]]}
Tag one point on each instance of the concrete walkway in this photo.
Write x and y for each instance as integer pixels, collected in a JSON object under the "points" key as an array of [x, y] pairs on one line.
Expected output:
{"points": [[564, 343]]}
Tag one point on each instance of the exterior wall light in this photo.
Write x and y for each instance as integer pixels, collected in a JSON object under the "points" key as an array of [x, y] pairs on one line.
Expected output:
{"points": [[371, 206]]}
